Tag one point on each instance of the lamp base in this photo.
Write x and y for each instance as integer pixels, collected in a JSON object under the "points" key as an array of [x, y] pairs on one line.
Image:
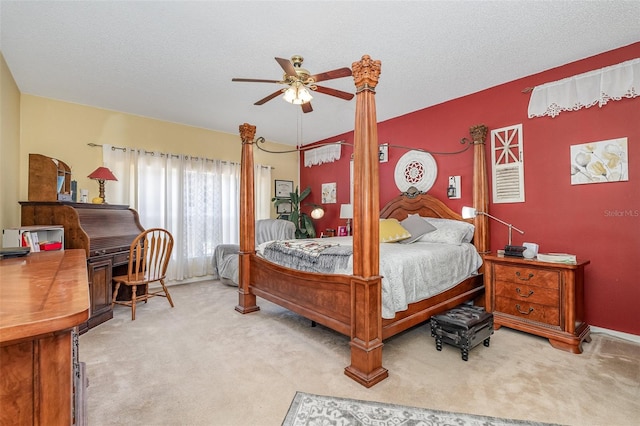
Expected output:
{"points": [[101, 193]]}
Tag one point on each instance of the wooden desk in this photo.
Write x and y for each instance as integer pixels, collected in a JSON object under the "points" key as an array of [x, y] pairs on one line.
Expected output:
{"points": [[43, 297]]}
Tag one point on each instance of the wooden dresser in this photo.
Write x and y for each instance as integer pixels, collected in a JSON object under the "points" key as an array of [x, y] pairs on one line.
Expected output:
{"points": [[43, 298], [542, 298], [103, 231]]}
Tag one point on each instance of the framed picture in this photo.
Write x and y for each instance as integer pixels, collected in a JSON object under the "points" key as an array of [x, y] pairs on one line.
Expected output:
{"points": [[283, 208], [342, 231], [284, 188], [328, 193]]}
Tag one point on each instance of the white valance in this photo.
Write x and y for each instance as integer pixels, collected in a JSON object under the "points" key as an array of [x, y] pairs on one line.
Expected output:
{"points": [[324, 154], [586, 90]]}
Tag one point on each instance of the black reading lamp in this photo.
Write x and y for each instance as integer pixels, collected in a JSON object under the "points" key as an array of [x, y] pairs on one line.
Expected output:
{"points": [[509, 250]]}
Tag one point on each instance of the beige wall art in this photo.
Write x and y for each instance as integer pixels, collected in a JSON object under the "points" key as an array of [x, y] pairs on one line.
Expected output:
{"points": [[600, 162]]}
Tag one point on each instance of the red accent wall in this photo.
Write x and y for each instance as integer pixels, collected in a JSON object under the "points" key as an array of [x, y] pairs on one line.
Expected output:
{"points": [[599, 222]]}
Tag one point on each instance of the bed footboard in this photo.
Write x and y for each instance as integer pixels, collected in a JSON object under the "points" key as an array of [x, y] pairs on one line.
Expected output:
{"points": [[325, 299]]}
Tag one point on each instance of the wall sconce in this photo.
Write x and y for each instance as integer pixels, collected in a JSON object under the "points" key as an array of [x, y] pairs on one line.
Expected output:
{"points": [[383, 153], [453, 190], [346, 212], [101, 174], [470, 213]]}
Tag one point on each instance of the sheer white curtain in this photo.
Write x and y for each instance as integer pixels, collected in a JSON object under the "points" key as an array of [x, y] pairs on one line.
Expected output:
{"points": [[196, 199]]}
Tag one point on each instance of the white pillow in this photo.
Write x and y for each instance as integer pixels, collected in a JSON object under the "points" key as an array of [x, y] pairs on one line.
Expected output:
{"points": [[417, 227], [448, 231]]}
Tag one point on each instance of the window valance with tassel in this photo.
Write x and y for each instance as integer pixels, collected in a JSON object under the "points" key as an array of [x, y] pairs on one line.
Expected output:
{"points": [[586, 90]]}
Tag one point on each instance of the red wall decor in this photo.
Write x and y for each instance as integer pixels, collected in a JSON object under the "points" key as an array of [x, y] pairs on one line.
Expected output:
{"points": [[599, 222]]}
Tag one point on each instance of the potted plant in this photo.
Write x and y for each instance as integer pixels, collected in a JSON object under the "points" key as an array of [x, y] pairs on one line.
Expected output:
{"points": [[302, 221]]}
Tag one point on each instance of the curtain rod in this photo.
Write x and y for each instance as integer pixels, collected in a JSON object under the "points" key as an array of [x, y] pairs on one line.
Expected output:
{"points": [[91, 144]]}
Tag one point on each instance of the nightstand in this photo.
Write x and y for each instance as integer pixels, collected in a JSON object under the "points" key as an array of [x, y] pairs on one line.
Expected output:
{"points": [[541, 298]]}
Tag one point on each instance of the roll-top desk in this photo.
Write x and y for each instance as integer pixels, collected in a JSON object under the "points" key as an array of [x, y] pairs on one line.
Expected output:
{"points": [[104, 231]]}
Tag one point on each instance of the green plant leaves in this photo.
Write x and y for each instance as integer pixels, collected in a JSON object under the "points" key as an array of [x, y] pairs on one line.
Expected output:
{"points": [[302, 221]]}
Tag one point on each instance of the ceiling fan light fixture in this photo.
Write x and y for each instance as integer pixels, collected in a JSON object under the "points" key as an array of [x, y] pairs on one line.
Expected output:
{"points": [[297, 94]]}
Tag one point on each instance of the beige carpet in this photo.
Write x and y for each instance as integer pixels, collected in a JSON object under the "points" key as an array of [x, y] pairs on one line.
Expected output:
{"points": [[202, 363]]}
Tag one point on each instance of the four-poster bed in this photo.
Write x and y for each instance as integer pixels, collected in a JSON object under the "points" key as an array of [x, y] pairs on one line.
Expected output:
{"points": [[351, 304]]}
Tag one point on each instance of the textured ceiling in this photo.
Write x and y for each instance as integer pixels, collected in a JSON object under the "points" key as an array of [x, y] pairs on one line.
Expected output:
{"points": [[174, 60]]}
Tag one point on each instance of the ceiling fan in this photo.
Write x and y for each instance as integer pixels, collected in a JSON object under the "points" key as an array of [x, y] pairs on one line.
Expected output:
{"points": [[300, 82]]}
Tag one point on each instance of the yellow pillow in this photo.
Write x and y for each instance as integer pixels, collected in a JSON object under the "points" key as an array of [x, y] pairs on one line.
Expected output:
{"points": [[391, 231]]}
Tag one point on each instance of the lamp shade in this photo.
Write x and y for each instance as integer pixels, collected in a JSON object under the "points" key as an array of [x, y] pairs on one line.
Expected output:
{"points": [[297, 94], [102, 173], [317, 212], [346, 211], [469, 212]]}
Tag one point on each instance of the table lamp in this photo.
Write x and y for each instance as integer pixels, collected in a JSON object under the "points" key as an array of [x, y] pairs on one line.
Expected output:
{"points": [[101, 174], [346, 212]]}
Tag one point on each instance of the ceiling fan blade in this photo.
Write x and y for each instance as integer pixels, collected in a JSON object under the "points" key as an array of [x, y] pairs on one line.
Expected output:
{"points": [[334, 92], [306, 107], [287, 66], [254, 80], [330, 75], [268, 98]]}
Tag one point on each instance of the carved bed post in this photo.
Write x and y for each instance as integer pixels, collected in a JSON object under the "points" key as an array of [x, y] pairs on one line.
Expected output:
{"points": [[246, 300], [480, 187], [366, 284]]}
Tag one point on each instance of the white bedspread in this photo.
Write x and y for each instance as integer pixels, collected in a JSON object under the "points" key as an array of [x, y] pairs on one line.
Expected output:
{"points": [[413, 272]]}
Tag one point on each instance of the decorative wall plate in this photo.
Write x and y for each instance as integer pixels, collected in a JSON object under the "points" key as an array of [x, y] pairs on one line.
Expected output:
{"points": [[416, 168]]}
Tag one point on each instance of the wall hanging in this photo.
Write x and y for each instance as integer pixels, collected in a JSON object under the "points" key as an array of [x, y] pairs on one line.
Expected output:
{"points": [[416, 168], [507, 164], [600, 162], [328, 193]]}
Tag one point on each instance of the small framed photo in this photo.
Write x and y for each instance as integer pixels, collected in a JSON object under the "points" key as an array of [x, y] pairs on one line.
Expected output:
{"points": [[283, 208], [284, 188], [342, 231]]}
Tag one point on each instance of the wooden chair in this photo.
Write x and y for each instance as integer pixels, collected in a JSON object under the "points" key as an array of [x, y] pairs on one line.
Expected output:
{"points": [[148, 260]]}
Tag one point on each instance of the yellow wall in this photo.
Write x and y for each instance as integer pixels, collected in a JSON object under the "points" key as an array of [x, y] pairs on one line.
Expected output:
{"points": [[9, 147], [62, 130]]}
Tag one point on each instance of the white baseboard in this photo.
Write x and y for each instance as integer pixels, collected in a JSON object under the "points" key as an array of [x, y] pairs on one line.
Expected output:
{"points": [[626, 336]]}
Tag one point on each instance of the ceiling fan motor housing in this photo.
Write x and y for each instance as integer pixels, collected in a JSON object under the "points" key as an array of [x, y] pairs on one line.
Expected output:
{"points": [[302, 74]]}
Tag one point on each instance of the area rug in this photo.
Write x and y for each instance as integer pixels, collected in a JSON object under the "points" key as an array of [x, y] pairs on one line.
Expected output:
{"points": [[318, 410]]}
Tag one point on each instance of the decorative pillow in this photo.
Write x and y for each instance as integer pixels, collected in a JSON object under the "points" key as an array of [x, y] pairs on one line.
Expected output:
{"points": [[417, 227], [448, 231], [391, 231]]}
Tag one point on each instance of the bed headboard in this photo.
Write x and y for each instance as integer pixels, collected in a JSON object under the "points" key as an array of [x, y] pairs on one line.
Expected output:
{"points": [[415, 202]]}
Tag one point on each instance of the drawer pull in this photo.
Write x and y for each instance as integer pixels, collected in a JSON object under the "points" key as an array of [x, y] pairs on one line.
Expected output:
{"points": [[523, 312], [523, 295], [523, 278]]}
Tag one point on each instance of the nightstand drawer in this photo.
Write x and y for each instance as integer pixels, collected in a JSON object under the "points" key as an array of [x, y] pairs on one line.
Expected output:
{"points": [[529, 311], [527, 293], [531, 276]]}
